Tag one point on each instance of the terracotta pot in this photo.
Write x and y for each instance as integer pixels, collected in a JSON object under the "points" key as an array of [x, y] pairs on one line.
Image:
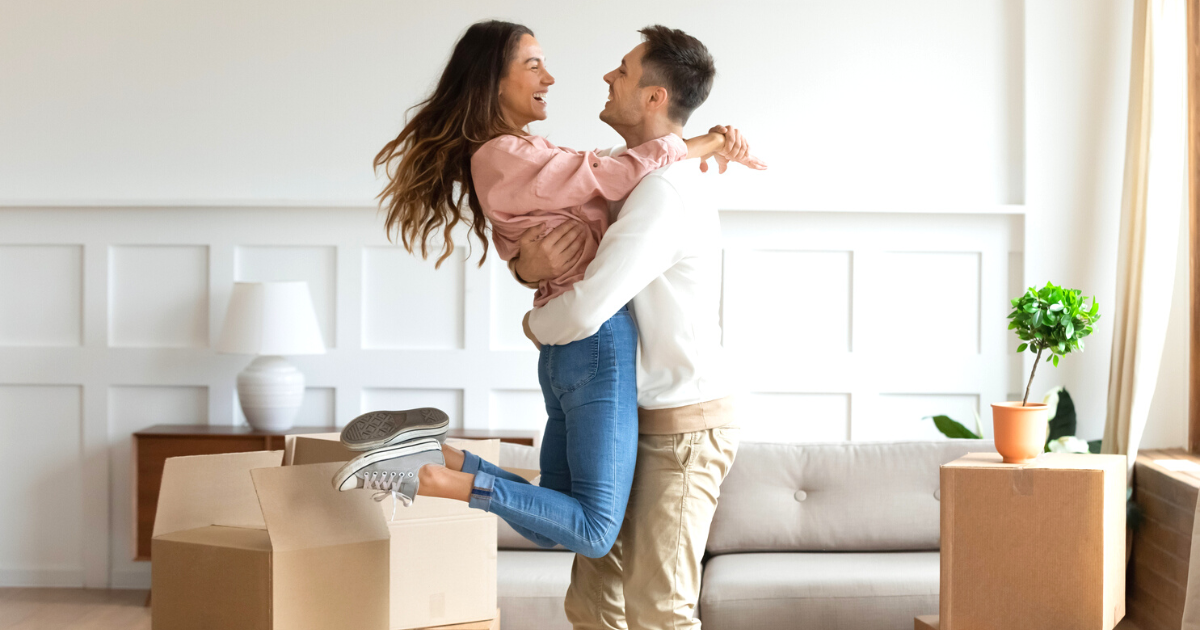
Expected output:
{"points": [[1020, 432]]}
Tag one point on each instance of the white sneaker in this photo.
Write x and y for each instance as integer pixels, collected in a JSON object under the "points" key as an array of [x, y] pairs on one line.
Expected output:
{"points": [[391, 469], [376, 429]]}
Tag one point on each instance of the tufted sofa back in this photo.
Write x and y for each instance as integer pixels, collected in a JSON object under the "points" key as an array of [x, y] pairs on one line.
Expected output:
{"points": [[834, 497]]}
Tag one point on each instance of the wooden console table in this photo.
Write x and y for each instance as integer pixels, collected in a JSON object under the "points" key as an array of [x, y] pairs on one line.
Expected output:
{"points": [[152, 447]]}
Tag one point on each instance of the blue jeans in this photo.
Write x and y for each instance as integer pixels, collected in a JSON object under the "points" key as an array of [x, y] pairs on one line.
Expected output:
{"points": [[588, 450]]}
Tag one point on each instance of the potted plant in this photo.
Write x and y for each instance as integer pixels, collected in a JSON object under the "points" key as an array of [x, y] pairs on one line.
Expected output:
{"points": [[1054, 319]]}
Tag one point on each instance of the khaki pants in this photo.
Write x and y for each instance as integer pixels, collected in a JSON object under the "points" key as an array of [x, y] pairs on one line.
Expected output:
{"points": [[651, 578]]}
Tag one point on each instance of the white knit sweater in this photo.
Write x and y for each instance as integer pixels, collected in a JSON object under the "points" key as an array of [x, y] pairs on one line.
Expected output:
{"points": [[662, 255]]}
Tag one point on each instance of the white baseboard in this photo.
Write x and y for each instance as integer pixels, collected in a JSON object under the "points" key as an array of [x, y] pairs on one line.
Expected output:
{"points": [[130, 579], [71, 578]]}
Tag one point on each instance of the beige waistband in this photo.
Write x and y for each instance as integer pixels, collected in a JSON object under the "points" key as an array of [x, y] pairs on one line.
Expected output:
{"points": [[688, 418]]}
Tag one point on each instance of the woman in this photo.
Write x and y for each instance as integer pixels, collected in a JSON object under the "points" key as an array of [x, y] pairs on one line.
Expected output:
{"points": [[466, 146]]}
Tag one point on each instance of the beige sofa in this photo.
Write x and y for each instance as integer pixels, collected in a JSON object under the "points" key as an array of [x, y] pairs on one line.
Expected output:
{"points": [[806, 536]]}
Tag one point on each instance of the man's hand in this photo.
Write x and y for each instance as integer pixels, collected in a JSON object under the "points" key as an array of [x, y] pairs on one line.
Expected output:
{"points": [[736, 149], [549, 256], [529, 332]]}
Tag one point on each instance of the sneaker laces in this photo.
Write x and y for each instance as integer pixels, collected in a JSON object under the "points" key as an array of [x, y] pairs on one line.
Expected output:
{"points": [[388, 484]]}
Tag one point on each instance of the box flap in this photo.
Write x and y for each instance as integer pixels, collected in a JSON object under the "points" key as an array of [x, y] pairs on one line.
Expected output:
{"points": [[219, 536], [211, 490], [303, 510], [319, 448]]}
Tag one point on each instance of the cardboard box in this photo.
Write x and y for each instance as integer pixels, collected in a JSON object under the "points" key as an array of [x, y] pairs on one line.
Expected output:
{"points": [[925, 622], [487, 624], [1038, 545], [443, 553], [242, 543]]}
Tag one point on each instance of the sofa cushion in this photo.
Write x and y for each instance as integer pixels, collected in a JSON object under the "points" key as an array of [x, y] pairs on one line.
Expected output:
{"points": [[531, 587], [834, 497], [847, 591]]}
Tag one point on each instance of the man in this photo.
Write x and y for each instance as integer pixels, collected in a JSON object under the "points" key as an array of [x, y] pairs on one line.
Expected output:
{"points": [[662, 255]]}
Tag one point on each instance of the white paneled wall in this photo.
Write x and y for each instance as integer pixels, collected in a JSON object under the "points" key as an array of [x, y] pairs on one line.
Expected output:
{"points": [[50, 309], [844, 326], [43, 541], [856, 326]]}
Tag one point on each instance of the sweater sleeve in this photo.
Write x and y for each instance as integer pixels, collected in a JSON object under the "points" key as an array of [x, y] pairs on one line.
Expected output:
{"points": [[518, 176], [646, 240]]}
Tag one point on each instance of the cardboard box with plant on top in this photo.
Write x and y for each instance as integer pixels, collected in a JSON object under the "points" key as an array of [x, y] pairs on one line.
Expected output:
{"points": [[1038, 545], [442, 559], [242, 543]]}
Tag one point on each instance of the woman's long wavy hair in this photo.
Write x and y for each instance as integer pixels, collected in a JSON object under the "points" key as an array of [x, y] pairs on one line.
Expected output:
{"points": [[429, 164]]}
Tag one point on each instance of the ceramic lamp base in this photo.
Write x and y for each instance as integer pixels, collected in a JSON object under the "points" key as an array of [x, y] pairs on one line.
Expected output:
{"points": [[270, 390]]}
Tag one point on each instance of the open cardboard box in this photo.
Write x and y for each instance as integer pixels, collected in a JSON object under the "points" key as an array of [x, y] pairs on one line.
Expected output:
{"points": [[443, 553], [1037, 545], [242, 543], [487, 624]]}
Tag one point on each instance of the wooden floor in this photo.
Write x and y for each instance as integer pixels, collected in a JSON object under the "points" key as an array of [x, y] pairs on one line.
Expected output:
{"points": [[80, 609], [72, 609]]}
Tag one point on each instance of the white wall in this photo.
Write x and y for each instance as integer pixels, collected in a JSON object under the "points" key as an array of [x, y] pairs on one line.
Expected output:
{"points": [[863, 104], [918, 148]]}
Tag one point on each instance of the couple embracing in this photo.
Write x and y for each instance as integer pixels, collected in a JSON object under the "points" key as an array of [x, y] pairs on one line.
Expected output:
{"points": [[623, 246]]}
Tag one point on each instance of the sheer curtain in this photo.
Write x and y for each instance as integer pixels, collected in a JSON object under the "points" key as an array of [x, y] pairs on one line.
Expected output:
{"points": [[1154, 199]]}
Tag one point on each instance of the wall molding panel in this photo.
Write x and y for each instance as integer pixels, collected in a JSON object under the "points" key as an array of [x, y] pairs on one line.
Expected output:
{"points": [[845, 326], [903, 315]]}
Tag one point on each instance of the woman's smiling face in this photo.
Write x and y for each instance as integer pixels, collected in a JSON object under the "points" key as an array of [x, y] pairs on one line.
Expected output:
{"points": [[523, 89]]}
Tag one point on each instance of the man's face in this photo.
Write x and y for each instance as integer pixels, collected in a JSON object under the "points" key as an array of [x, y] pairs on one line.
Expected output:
{"points": [[626, 100]]}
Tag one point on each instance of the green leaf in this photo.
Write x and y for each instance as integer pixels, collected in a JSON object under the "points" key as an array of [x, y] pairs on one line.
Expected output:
{"points": [[1022, 347], [1070, 329], [1055, 360], [1064, 420], [1056, 307], [953, 429], [1094, 446]]}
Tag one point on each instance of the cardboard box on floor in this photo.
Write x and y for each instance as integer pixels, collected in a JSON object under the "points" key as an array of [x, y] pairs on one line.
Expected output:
{"points": [[487, 624], [242, 543], [443, 553], [1038, 545], [926, 622]]}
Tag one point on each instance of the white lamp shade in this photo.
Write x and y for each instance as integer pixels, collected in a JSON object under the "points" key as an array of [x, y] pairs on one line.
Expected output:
{"points": [[271, 318]]}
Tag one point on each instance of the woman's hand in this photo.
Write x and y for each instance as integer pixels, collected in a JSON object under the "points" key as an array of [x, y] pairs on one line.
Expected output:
{"points": [[734, 149], [552, 255], [704, 146]]}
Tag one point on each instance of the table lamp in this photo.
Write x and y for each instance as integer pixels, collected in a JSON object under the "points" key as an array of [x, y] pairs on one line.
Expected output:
{"points": [[270, 319]]}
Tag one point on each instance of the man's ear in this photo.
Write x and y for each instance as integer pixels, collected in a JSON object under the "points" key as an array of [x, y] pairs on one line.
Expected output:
{"points": [[657, 99]]}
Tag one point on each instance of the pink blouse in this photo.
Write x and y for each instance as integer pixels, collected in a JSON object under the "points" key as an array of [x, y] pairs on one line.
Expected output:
{"points": [[527, 182]]}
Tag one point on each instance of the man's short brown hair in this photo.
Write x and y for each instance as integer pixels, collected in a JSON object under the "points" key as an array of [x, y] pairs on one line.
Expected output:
{"points": [[680, 63]]}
